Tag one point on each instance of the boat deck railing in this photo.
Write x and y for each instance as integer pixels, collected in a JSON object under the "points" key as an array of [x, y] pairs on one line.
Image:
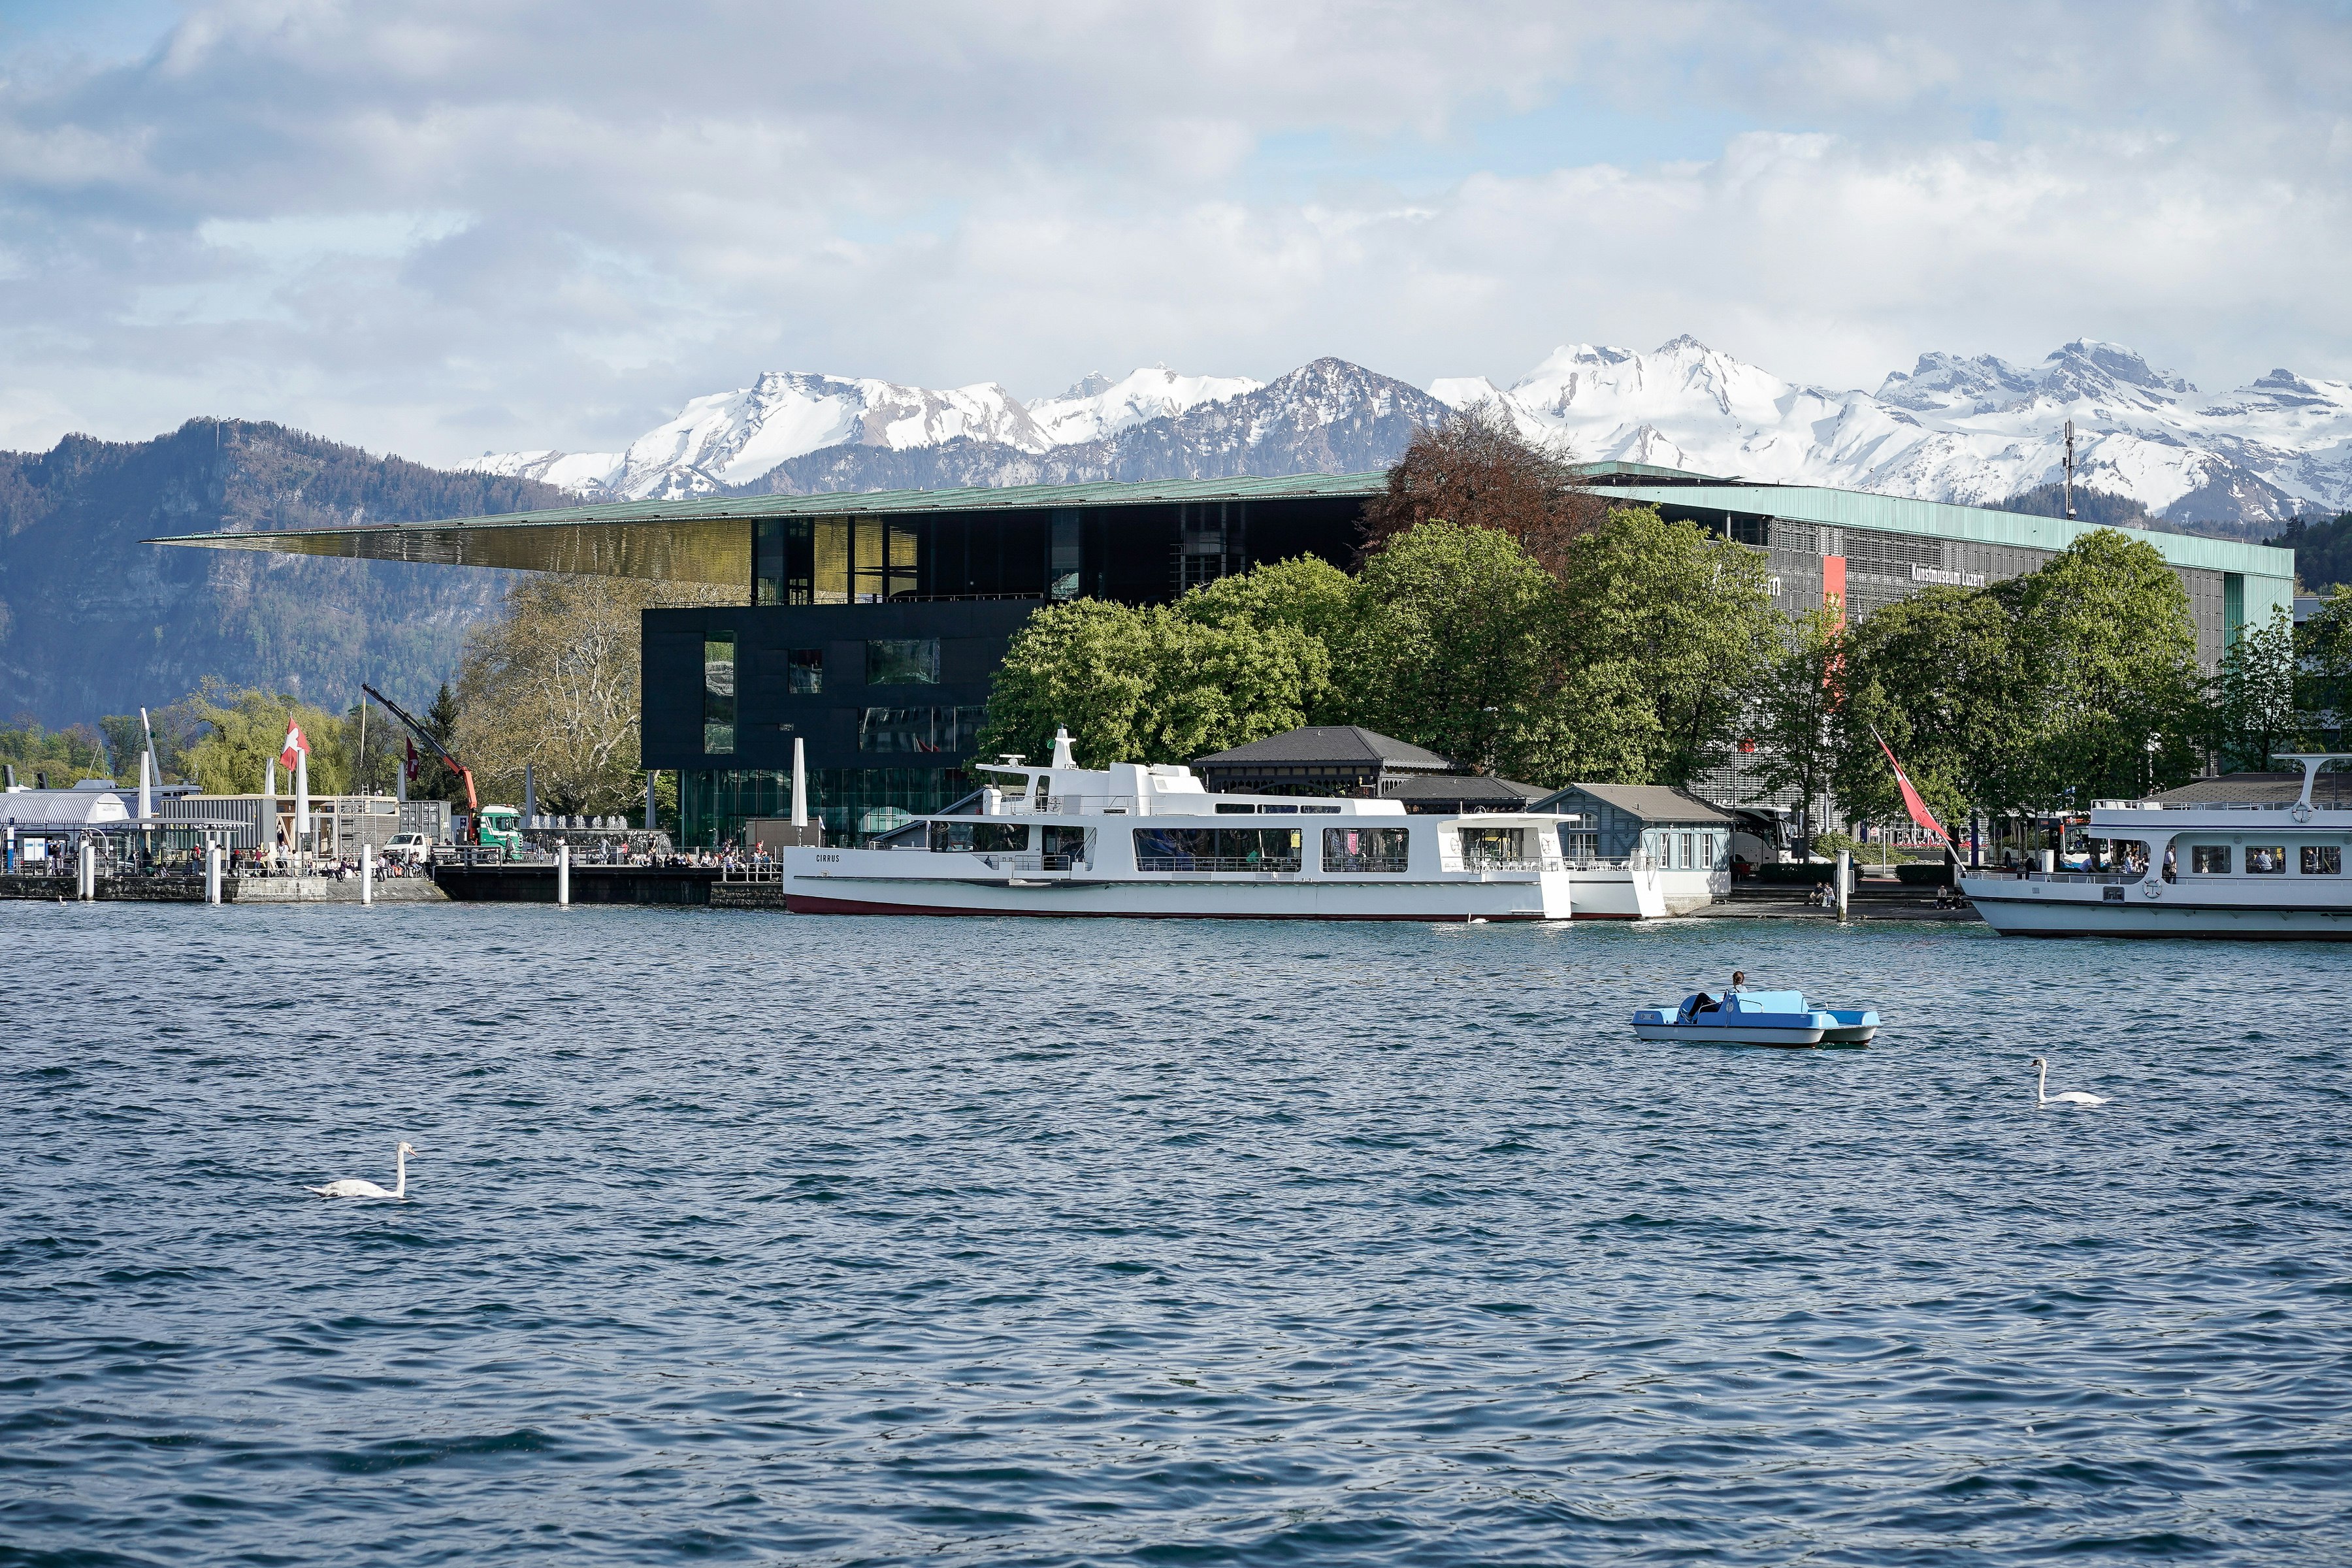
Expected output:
{"points": [[1284, 863], [2085, 878]]}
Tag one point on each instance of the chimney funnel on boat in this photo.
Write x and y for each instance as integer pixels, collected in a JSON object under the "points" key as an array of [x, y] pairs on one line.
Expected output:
{"points": [[1062, 757]]}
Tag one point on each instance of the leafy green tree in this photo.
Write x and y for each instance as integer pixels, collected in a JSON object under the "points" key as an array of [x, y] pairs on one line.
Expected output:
{"points": [[1667, 617], [62, 756], [1797, 718], [2251, 701], [1152, 684], [1941, 675], [1455, 648], [2324, 666], [248, 728], [2111, 657]]}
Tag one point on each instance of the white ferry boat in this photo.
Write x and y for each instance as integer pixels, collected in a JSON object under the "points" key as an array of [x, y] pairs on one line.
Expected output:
{"points": [[1142, 840], [2260, 870]]}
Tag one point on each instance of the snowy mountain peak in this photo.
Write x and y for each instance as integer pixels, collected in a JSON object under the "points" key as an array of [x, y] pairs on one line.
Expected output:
{"points": [[1970, 428], [1097, 406]]}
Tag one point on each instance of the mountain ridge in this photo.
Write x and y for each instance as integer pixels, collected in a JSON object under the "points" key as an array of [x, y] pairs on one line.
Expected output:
{"points": [[1969, 428]]}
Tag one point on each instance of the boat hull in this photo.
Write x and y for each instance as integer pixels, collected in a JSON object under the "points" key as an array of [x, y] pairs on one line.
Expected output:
{"points": [[1545, 896], [1730, 1034], [2059, 911]]}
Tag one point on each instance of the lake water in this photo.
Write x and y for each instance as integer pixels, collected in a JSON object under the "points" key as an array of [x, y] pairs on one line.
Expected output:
{"points": [[747, 1237]]}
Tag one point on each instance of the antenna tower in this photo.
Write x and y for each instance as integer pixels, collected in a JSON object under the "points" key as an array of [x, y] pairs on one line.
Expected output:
{"points": [[2070, 471]]}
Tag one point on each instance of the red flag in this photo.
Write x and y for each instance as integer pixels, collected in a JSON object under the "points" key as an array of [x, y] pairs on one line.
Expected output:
{"points": [[1911, 801], [294, 742], [410, 765]]}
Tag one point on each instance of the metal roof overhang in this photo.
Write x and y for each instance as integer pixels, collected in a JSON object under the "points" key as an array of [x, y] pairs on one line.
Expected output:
{"points": [[706, 539], [1942, 519]]}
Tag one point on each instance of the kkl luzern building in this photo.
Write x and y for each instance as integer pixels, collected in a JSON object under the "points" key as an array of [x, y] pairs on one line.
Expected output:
{"points": [[871, 624]]}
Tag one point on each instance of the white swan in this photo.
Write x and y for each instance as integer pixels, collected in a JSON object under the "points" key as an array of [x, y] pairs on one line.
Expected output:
{"points": [[2071, 1096], [352, 1187]]}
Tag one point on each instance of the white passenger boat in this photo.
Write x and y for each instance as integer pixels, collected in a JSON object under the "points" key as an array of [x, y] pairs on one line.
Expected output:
{"points": [[2256, 870], [1142, 840]]}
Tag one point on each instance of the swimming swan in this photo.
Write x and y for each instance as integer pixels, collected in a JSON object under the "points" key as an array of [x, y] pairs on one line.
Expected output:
{"points": [[2071, 1096], [352, 1187]]}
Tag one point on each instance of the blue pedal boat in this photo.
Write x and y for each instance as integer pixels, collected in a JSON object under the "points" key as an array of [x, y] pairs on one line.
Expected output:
{"points": [[1757, 1018]]}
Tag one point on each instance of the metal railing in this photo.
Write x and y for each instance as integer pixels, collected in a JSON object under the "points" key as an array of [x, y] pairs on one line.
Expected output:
{"points": [[1286, 863], [1349, 865], [2087, 879]]}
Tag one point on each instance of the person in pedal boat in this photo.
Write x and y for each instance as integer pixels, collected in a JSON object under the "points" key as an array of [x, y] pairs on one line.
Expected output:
{"points": [[1708, 1004]]}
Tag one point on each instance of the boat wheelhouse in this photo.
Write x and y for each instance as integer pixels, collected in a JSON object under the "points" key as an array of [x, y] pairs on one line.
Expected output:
{"points": [[2262, 869], [1151, 840]]}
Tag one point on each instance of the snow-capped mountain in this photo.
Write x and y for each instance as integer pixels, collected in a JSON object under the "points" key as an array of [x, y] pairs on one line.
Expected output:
{"points": [[1973, 429]]}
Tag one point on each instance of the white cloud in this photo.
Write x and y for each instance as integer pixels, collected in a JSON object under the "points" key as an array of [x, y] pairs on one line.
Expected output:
{"points": [[451, 225]]}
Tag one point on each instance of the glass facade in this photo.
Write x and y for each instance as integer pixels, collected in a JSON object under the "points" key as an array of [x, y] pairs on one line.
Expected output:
{"points": [[854, 804], [902, 661], [718, 692], [919, 731], [804, 672]]}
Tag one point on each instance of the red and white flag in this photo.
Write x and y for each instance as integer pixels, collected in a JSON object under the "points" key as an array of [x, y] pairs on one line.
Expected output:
{"points": [[410, 765], [1911, 801], [294, 742]]}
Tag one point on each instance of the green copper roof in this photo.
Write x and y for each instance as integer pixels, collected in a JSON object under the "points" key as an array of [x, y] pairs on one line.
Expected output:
{"points": [[1941, 519]]}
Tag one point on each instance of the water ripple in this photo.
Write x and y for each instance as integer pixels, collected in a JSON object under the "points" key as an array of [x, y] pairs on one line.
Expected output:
{"points": [[830, 1241]]}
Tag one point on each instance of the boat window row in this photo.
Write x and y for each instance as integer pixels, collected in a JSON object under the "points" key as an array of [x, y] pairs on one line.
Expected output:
{"points": [[2266, 859], [1262, 809], [1218, 849]]}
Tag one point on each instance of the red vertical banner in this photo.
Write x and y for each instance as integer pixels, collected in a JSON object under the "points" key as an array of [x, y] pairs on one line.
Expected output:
{"points": [[1833, 588]]}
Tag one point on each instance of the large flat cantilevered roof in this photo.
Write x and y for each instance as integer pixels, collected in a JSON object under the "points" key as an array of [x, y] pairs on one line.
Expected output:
{"points": [[704, 540]]}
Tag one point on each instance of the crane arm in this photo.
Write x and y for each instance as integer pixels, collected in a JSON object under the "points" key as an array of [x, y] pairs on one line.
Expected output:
{"points": [[432, 744]]}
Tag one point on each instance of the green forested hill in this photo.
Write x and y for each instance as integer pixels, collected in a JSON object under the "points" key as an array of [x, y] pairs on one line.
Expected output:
{"points": [[94, 622], [2323, 550]]}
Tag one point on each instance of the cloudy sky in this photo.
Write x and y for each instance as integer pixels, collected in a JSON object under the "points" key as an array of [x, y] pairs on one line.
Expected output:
{"points": [[443, 227]]}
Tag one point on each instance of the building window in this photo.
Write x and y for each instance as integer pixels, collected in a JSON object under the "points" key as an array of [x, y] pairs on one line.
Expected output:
{"points": [[920, 729], [981, 838], [2322, 860], [718, 692], [1688, 863], [846, 559], [1062, 574], [1383, 849], [1580, 846], [2211, 859], [903, 662], [1217, 850], [2266, 860], [804, 671], [768, 561]]}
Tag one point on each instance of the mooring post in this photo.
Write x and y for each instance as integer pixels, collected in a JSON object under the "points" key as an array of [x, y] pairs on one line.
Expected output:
{"points": [[563, 873], [212, 872], [367, 873], [1845, 882], [86, 870]]}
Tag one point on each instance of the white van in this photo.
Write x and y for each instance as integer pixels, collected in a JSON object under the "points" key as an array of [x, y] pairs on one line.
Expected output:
{"points": [[416, 848]]}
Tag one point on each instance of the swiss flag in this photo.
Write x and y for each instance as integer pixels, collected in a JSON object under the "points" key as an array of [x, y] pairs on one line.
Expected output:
{"points": [[410, 765], [295, 741], [1911, 801]]}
